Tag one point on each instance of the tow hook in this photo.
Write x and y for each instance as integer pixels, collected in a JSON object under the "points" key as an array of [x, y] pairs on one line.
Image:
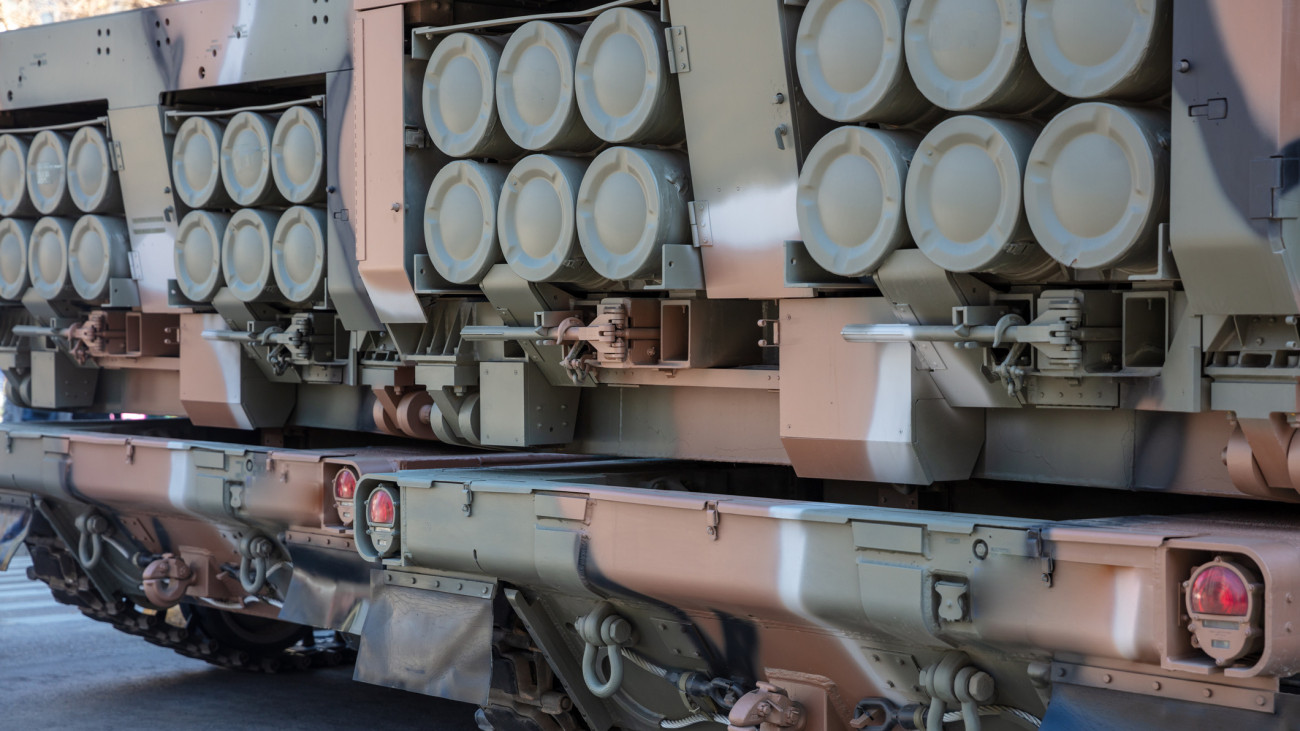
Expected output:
{"points": [[90, 546], [766, 708], [255, 552], [602, 627], [166, 579]]}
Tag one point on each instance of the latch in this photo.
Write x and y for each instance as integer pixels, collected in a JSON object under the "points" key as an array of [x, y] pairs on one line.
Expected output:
{"points": [[1038, 545], [679, 56], [1211, 110], [952, 600], [468, 507], [711, 519]]}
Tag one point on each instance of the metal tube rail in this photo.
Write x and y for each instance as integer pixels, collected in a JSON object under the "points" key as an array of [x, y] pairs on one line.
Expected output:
{"points": [[102, 121], [318, 100], [437, 30]]}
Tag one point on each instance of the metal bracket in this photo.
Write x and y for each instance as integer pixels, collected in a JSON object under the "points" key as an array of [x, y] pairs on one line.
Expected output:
{"points": [[444, 584], [416, 138], [679, 55], [1196, 691]]}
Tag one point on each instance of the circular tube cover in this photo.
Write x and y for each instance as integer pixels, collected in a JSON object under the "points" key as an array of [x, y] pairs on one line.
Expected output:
{"points": [[197, 255], [47, 173], [968, 55], [14, 235], [47, 257], [196, 164], [98, 251], [460, 220], [963, 197], [630, 204], [459, 98], [246, 255], [298, 155], [14, 200], [246, 160], [850, 199], [298, 254], [92, 181], [1102, 48], [1097, 186], [625, 90], [535, 89], [535, 220], [849, 55]]}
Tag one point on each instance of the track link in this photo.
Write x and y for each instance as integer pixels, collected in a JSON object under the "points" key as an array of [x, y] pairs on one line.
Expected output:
{"points": [[55, 565]]}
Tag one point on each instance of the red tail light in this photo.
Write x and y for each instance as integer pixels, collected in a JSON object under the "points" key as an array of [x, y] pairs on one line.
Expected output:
{"points": [[381, 508], [345, 484], [1220, 591]]}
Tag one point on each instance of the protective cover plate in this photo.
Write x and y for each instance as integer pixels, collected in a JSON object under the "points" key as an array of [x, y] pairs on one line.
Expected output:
{"points": [[196, 163], [967, 55], [47, 257], [97, 251], [92, 181], [197, 255], [630, 204], [298, 155], [13, 177], [850, 199], [246, 255], [459, 98], [1101, 48], [963, 196], [625, 90], [849, 55], [535, 217], [47, 173], [535, 89], [1097, 184], [246, 159], [460, 220], [298, 254], [14, 235]]}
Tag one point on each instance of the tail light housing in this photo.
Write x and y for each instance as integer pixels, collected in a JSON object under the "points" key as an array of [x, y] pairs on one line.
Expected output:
{"points": [[381, 519], [1224, 602], [344, 486]]}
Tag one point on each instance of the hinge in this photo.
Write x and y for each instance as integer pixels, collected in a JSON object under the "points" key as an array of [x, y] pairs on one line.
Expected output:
{"points": [[701, 228], [1045, 562], [130, 453], [341, 214], [679, 55], [118, 162], [468, 507], [711, 519]]}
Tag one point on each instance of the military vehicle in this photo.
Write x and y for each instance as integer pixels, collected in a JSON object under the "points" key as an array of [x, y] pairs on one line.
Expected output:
{"points": [[770, 364]]}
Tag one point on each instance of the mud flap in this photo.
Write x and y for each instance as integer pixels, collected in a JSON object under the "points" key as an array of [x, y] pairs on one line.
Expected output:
{"points": [[428, 642], [329, 589], [1079, 708], [15, 520]]}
